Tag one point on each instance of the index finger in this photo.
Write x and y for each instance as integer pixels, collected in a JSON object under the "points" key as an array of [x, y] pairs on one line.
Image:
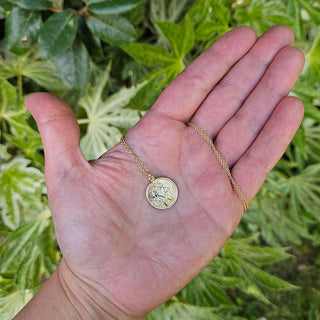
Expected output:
{"points": [[185, 93]]}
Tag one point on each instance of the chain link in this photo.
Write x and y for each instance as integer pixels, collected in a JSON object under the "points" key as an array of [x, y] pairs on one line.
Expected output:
{"points": [[146, 171], [135, 158], [223, 164]]}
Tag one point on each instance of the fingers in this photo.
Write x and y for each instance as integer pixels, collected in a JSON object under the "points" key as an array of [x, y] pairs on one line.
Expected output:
{"points": [[226, 98], [186, 92], [238, 134], [253, 167], [59, 132]]}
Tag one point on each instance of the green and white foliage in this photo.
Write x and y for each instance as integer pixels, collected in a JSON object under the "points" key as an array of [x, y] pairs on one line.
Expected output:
{"points": [[110, 60], [57, 33], [11, 303], [32, 67], [27, 256], [20, 191], [169, 61], [105, 118]]}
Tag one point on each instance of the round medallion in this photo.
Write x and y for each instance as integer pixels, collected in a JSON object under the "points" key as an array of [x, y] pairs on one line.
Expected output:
{"points": [[162, 193]]}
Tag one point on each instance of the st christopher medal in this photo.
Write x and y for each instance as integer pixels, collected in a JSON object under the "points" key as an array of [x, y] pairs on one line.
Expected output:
{"points": [[162, 192]]}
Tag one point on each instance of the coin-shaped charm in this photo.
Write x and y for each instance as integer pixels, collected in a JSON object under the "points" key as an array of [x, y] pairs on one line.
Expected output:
{"points": [[162, 193]]}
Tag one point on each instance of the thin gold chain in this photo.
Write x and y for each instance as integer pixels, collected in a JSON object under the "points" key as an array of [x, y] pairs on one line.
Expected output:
{"points": [[222, 162], [135, 158]]}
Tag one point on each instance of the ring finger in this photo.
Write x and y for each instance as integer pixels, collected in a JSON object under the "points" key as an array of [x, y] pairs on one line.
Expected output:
{"points": [[242, 129], [230, 93]]}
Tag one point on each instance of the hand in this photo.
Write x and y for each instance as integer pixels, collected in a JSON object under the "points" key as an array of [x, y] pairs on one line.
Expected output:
{"points": [[112, 240]]}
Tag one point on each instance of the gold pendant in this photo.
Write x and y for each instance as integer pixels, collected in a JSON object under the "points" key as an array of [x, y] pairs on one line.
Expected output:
{"points": [[162, 193]]}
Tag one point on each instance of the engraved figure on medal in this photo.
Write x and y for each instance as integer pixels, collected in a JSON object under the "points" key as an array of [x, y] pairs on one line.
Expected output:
{"points": [[162, 193]]}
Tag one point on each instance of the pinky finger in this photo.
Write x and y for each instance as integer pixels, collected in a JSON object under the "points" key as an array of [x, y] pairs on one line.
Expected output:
{"points": [[253, 167]]}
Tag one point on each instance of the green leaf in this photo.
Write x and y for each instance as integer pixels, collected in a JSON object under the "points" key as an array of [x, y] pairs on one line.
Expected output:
{"points": [[163, 10], [207, 29], [13, 302], [311, 111], [30, 144], [6, 70], [13, 247], [57, 34], [299, 141], [312, 136], [22, 28], [246, 285], [265, 279], [180, 36], [204, 290], [20, 188], [277, 225], [43, 73], [313, 12], [28, 272], [251, 289], [158, 10], [8, 97], [5, 6], [14, 114], [295, 12], [92, 43], [73, 66], [199, 11], [171, 65], [305, 187], [238, 262], [261, 255], [22, 254], [261, 15], [111, 6], [313, 61], [155, 83], [105, 117], [174, 309], [33, 5], [115, 30], [176, 9], [147, 54], [137, 15], [4, 155], [47, 248], [307, 89], [210, 17]]}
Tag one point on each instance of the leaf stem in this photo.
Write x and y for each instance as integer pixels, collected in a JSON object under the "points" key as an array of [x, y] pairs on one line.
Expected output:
{"points": [[83, 121], [83, 12], [55, 9], [57, 4], [20, 88]]}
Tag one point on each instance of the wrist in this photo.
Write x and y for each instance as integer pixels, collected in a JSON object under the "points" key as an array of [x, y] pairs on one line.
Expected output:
{"points": [[88, 301], [65, 296]]}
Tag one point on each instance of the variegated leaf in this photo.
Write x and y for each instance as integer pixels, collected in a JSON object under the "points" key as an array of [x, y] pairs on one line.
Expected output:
{"points": [[104, 118], [20, 188]]}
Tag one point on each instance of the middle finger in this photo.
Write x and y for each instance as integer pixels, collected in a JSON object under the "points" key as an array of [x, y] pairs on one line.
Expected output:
{"points": [[225, 99], [242, 129]]}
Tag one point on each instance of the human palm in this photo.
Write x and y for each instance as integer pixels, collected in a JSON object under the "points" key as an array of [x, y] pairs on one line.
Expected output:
{"points": [[111, 238]]}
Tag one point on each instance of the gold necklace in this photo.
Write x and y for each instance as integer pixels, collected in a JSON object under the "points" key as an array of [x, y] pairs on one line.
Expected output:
{"points": [[223, 164], [162, 192]]}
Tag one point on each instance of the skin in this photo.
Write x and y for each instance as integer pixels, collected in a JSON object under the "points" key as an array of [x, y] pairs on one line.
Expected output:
{"points": [[123, 258]]}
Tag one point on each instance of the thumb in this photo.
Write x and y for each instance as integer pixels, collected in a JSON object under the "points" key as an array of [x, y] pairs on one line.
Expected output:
{"points": [[59, 132]]}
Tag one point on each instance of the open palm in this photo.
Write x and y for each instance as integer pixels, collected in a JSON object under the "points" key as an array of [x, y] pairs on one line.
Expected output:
{"points": [[111, 238]]}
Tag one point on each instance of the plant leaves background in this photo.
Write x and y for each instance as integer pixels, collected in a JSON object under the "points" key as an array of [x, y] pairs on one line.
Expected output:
{"points": [[110, 61]]}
